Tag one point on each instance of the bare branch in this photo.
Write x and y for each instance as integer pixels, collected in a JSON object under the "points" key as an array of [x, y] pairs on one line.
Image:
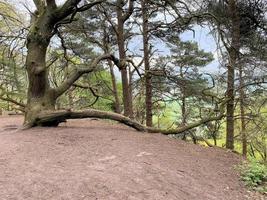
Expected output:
{"points": [[90, 5], [68, 7], [8, 99], [71, 7], [130, 10], [79, 72]]}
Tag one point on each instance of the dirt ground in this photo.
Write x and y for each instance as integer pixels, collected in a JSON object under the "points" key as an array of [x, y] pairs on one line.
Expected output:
{"points": [[92, 159]]}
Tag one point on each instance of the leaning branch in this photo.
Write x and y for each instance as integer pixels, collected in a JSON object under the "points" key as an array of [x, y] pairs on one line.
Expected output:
{"points": [[79, 72], [129, 12], [71, 7], [49, 117]]}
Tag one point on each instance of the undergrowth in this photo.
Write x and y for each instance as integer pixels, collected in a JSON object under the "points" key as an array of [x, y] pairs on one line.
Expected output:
{"points": [[254, 174]]}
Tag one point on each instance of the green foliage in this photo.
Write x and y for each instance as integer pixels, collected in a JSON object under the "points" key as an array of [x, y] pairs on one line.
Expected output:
{"points": [[166, 115], [254, 174], [188, 54]]}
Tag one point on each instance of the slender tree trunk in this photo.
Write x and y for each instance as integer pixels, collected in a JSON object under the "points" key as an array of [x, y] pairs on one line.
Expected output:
{"points": [[233, 54], [184, 117], [131, 91], [106, 44], [183, 99], [70, 99], [242, 112], [114, 88], [230, 109], [183, 110], [214, 139], [148, 81], [70, 92], [127, 101]]}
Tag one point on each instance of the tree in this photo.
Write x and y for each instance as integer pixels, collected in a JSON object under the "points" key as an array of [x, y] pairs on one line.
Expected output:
{"points": [[237, 25], [43, 92], [187, 57], [148, 83], [44, 23], [233, 62], [12, 75], [118, 23], [90, 32]]}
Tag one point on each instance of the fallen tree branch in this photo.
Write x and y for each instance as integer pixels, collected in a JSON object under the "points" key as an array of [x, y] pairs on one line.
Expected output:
{"points": [[55, 117]]}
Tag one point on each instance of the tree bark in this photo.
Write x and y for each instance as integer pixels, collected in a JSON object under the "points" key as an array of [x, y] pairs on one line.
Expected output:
{"points": [[105, 46], [114, 88], [131, 90], [40, 95], [148, 81], [46, 117], [127, 101], [44, 22], [183, 99], [183, 110], [230, 109], [233, 54], [242, 111]]}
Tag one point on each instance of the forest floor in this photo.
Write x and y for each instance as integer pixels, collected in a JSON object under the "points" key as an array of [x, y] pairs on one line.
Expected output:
{"points": [[94, 159]]}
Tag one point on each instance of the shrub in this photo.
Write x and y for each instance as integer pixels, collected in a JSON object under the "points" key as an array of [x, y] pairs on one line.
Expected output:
{"points": [[254, 174]]}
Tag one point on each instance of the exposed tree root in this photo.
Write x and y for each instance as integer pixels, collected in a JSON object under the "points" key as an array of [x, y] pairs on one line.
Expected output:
{"points": [[53, 118]]}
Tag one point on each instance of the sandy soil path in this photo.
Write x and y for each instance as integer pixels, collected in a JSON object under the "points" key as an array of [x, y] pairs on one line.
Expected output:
{"points": [[91, 159]]}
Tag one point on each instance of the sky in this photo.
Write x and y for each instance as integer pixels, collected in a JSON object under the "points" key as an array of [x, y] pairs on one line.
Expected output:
{"points": [[30, 3]]}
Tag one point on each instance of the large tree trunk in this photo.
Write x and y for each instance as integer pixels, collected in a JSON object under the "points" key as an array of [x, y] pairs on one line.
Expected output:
{"points": [[44, 22], [233, 54], [40, 95], [148, 82]]}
